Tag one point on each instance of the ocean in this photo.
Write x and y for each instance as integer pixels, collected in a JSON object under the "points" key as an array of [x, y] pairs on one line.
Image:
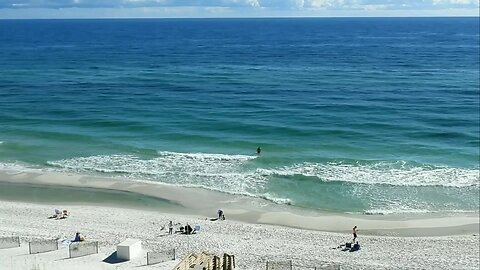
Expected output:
{"points": [[353, 115]]}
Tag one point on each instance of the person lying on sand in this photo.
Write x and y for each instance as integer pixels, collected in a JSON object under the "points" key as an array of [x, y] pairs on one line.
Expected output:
{"points": [[60, 214], [64, 213], [57, 214]]}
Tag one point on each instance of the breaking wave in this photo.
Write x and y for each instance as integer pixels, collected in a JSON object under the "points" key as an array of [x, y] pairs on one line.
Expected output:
{"points": [[244, 175], [238, 174], [391, 173]]}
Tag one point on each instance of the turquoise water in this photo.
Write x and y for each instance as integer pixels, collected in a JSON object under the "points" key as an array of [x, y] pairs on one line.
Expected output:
{"points": [[377, 115]]}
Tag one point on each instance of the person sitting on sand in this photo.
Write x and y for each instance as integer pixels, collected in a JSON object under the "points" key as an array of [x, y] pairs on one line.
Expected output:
{"points": [[188, 229], [78, 238], [220, 213], [355, 247], [64, 213]]}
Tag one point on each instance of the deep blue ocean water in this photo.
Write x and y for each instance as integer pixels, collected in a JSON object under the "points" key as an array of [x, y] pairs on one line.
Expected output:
{"points": [[368, 115]]}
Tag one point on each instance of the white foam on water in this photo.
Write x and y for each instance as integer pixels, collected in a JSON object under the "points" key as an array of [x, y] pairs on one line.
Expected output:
{"points": [[227, 172], [237, 174], [412, 211], [391, 173], [396, 211], [211, 171], [16, 167], [206, 156], [275, 199]]}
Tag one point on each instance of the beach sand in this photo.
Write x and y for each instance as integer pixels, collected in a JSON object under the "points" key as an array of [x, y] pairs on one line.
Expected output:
{"points": [[255, 231]]}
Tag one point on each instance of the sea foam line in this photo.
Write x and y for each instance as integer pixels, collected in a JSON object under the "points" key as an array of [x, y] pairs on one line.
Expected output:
{"points": [[413, 211], [212, 171], [391, 173], [229, 173], [16, 167], [238, 174]]}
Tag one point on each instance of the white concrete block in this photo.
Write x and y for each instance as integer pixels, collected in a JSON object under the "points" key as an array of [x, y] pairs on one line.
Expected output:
{"points": [[129, 249]]}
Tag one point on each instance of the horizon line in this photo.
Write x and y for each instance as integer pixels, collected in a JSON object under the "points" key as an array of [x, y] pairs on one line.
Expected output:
{"points": [[247, 17]]}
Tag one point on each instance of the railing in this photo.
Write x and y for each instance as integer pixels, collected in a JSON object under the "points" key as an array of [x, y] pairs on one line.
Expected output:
{"points": [[79, 249], [228, 262], [279, 265], [154, 257], [9, 242], [207, 261], [327, 266], [40, 246]]}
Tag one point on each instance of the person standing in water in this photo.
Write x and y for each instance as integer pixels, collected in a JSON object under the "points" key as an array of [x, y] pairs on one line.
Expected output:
{"points": [[259, 150]]}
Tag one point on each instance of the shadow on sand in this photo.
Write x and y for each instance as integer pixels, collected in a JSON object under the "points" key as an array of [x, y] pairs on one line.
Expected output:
{"points": [[112, 259]]}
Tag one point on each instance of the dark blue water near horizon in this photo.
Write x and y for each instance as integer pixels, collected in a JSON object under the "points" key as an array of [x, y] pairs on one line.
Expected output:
{"points": [[370, 115]]}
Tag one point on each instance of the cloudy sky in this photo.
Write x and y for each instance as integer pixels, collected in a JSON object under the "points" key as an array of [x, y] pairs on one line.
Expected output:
{"points": [[232, 8]]}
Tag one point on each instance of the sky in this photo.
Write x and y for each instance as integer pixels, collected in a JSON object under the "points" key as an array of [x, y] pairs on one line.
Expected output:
{"points": [[43, 9]]}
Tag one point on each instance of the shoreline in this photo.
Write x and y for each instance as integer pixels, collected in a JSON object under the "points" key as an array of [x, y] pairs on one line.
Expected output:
{"points": [[200, 202]]}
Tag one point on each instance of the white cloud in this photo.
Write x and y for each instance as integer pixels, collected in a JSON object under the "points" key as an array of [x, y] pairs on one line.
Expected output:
{"points": [[456, 2], [238, 3], [299, 3], [374, 7], [19, 5], [326, 3], [277, 4], [253, 3]]}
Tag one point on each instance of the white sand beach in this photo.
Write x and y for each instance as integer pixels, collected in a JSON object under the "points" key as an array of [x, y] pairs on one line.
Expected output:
{"points": [[253, 232]]}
